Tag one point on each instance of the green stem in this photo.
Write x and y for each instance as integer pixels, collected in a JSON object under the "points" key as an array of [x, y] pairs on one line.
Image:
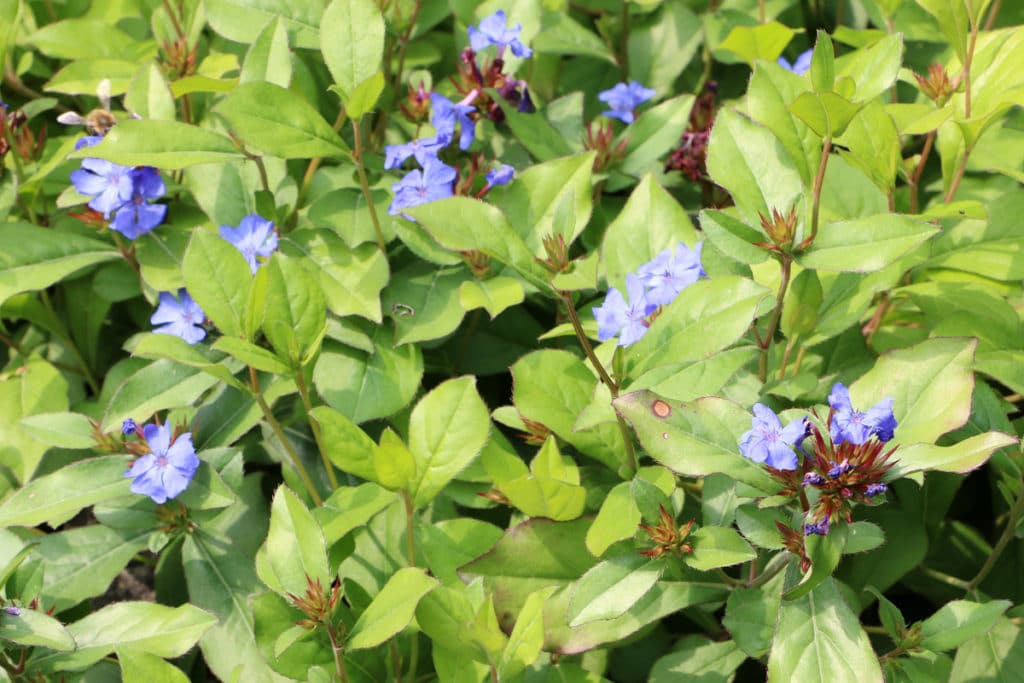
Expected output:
{"points": [[396, 661], [944, 578], [300, 382], [819, 180], [339, 654], [410, 529], [1008, 533], [314, 164], [268, 414], [992, 12], [761, 12], [357, 154], [773, 324], [915, 180], [774, 566], [403, 42]]}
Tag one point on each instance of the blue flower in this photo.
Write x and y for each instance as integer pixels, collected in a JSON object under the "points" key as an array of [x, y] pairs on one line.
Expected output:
{"points": [[12, 610], [422, 149], [128, 427], [419, 187], [88, 141], [500, 176], [254, 237], [493, 31], [110, 185], [800, 66], [617, 318], [667, 274], [857, 427], [623, 99], [138, 216], [167, 470], [817, 528], [179, 316], [445, 114], [767, 441], [838, 469], [874, 489], [813, 479]]}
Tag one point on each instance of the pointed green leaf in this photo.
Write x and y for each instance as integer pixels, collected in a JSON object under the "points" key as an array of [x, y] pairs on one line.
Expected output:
{"points": [[168, 145], [392, 609]]}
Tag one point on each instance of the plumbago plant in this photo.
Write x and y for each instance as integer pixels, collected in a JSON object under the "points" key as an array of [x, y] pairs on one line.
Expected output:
{"points": [[373, 340]]}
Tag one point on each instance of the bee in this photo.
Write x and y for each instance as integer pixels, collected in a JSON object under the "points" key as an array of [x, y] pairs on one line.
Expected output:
{"points": [[98, 121]]}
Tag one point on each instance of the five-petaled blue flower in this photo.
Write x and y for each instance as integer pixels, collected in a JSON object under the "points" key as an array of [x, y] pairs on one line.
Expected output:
{"points": [[138, 216], [624, 99], [493, 31], [617, 318], [857, 427], [179, 316], [667, 274], [254, 237], [445, 114], [167, 469], [800, 66], [767, 441], [419, 187], [109, 184], [500, 176], [421, 150]]}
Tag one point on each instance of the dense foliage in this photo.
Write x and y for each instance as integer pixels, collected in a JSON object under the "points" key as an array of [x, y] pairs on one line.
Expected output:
{"points": [[366, 340]]}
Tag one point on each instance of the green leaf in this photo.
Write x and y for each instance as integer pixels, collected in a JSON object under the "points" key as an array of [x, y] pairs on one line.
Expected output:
{"points": [[762, 42], [295, 545], [874, 67], [800, 313], [148, 95], [451, 543], [82, 562], [365, 96], [552, 388], [348, 446], [865, 244], [616, 520], [716, 546], [527, 638], [58, 496], [295, 312], [242, 20], [818, 638], [826, 113], [142, 667], [392, 609], [536, 134], [424, 301], [10, 12], [252, 355], [157, 346], [611, 587], [750, 615], [952, 18], [135, 626], [364, 387], [33, 628], [753, 165], [653, 134], [168, 145], [447, 430], [464, 224], [494, 295], [207, 490], [33, 258], [931, 383], [64, 430], [823, 68], [218, 278], [83, 38], [561, 35], [269, 58], [160, 385], [83, 76], [958, 621], [733, 237], [279, 122], [997, 655], [694, 439], [532, 203], [352, 42], [873, 145], [963, 457], [650, 222], [394, 466], [351, 507], [350, 278], [706, 317], [824, 552], [695, 658]]}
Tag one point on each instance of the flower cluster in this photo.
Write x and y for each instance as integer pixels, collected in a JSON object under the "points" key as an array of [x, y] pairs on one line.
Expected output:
{"points": [[655, 284], [124, 191], [802, 64], [436, 179], [166, 464], [846, 462], [690, 157]]}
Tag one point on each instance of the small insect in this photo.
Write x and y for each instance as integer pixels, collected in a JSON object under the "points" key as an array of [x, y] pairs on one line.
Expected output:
{"points": [[98, 121]]}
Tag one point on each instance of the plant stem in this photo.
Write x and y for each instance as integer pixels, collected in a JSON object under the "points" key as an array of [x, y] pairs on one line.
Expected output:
{"points": [[919, 170], [339, 654], [992, 12], [174, 20], [300, 382], [314, 164], [624, 41], [357, 154], [403, 42], [1004, 540], [786, 263], [785, 357], [761, 11], [410, 529], [819, 180], [396, 661], [944, 578], [954, 184], [268, 414], [774, 566], [577, 326]]}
